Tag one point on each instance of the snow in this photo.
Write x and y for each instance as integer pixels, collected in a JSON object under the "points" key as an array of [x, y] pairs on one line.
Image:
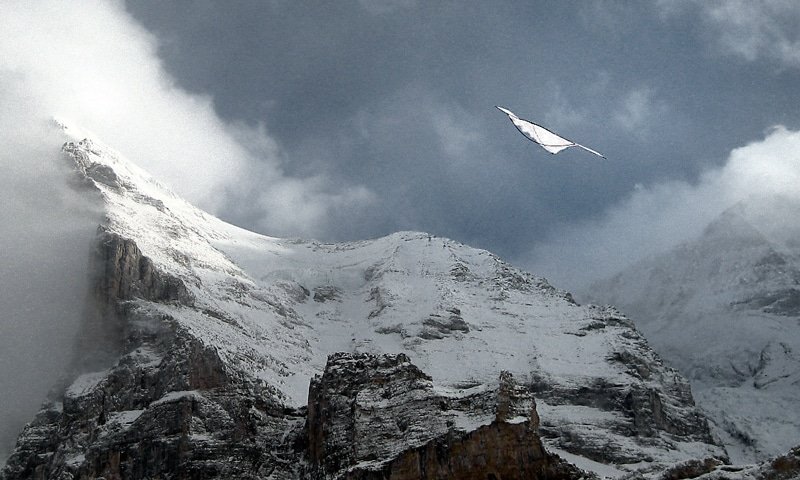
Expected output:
{"points": [[705, 306], [85, 383], [601, 469], [173, 397], [75, 461], [124, 418], [466, 422], [461, 314]]}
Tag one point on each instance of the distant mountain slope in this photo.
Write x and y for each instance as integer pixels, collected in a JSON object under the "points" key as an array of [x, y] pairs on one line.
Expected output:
{"points": [[725, 310], [197, 314]]}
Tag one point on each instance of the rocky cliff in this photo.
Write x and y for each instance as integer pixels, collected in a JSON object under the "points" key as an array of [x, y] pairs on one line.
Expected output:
{"points": [[215, 352], [380, 417]]}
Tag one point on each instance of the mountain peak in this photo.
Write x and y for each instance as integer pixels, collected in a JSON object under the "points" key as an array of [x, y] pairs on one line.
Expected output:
{"points": [[718, 307], [238, 323]]}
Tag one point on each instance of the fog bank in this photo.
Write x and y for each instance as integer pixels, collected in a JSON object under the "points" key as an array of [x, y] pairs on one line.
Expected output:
{"points": [[656, 218], [45, 243], [93, 66]]}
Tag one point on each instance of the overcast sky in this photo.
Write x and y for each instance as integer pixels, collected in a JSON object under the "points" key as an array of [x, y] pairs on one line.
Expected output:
{"points": [[354, 119], [395, 99]]}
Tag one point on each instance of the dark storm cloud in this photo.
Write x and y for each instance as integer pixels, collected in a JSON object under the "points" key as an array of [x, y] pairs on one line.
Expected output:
{"points": [[397, 97]]}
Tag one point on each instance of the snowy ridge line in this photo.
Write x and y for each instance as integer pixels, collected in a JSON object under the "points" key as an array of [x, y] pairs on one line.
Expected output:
{"points": [[273, 310]]}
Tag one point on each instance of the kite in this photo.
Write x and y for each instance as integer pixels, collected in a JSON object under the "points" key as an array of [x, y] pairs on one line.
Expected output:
{"points": [[548, 140]]}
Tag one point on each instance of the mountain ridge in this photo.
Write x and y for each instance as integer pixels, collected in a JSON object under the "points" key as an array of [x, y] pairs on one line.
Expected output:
{"points": [[233, 326], [723, 309]]}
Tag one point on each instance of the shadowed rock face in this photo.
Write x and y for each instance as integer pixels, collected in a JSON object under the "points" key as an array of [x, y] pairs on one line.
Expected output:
{"points": [[168, 406], [496, 451], [380, 417], [123, 274], [127, 274]]}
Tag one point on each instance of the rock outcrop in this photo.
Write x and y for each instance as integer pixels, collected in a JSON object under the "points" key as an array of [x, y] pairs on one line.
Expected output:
{"points": [[380, 417], [168, 407]]}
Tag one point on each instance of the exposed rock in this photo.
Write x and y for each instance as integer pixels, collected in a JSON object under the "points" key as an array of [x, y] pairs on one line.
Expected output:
{"points": [[327, 293], [690, 469], [496, 451], [123, 274], [781, 467], [452, 323], [169, 405], [380, 417]]}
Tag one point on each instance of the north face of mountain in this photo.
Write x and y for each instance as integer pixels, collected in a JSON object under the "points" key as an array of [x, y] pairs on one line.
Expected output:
{"points": [[214, 352], [725, 310]]}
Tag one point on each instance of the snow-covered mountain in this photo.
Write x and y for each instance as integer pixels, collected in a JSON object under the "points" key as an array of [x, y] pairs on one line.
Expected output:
{"points": [[205, 338], [725, 310]]}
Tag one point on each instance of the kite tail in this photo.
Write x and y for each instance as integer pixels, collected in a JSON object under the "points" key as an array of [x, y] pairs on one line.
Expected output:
{"points": [[590, 150]]}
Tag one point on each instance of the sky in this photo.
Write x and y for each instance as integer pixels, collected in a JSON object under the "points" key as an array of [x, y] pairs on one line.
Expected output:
{"points": [[389, 106], [355, 119]]}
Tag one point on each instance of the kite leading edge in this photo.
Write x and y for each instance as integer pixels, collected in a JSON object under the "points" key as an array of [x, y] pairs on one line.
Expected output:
{"points": [[548, 140]]}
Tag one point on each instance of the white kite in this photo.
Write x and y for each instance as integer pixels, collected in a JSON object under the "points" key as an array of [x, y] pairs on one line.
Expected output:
{"points": [[545, 138]]}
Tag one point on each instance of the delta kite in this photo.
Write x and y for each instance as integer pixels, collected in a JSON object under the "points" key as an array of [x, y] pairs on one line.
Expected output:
{"points": [[548, 140]]}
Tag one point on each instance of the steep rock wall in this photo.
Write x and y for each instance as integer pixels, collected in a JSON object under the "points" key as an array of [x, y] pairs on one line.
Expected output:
{"points": [[167, 406], [380, 417]]}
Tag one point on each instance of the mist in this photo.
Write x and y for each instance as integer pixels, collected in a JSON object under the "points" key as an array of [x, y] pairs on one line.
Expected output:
{"points": [[45, 243], [96, 68], [763, 175]]}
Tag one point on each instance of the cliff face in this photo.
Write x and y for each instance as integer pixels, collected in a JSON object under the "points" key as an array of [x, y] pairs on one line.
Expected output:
{"points": [[380, 417], [168, 406], [219, 353]]}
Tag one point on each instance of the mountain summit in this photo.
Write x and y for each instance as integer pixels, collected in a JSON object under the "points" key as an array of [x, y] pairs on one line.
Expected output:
{"points": [[724, 309], [214, 352]]}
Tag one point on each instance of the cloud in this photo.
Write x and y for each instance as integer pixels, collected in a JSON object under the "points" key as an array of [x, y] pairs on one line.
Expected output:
{"points": [[414, 112], [46, 233], [451, 125], [638, 110], [562, 111], [91, 64], [97, 68], [655, 218], [383, 7], [751, 30]]}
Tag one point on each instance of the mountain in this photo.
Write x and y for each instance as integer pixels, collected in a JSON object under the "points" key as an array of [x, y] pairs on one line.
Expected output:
{"points": [[725, 310], [213, 352]]}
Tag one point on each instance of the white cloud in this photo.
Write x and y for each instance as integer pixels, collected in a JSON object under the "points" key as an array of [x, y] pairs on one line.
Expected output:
{"points": [[653, 219], [752, 29], [89, 63], [749, 29], [452, 127], [562, 112], [638, 110], [94, 66], [395, 118], [280, 205]]}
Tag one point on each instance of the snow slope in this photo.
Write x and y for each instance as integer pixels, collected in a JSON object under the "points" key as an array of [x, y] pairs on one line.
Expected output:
{"points": [[725, 310], [274, 309]]}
